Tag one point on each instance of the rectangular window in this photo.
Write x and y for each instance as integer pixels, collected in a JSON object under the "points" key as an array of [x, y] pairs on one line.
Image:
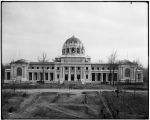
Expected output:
{"points": [[8, 75], [66, 68], [92, 68], [104, 77], [51, 76], [99, 76], [72, 77], [41, 76], [32, 67], [67, 50], [57, 76], [86, 68], [66, 77], [46, 76], [115, 76], [30, 76], [93, 76], [72, 68], [35, 76], [78, 76], [57, 68], [86, 76], [139, 76], [37, 67]]}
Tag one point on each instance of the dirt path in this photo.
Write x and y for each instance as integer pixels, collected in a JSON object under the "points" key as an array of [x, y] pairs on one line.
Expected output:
{"points": [[76, 91], [105, 104]]}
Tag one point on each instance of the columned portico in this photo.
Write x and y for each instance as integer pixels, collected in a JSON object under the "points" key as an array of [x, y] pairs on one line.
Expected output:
{"points": [[73, 65]]}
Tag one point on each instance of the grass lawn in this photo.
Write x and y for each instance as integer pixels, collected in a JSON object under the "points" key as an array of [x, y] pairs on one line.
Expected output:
{"points": [[53, 105], [56, 86], [73, 86], [128, 105]]}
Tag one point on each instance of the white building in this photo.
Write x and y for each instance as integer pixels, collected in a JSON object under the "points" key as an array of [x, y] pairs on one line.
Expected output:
{"points": [[73, 66]]}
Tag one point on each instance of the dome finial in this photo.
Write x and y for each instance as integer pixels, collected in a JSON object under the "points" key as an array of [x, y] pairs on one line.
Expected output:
{"points": [[73, 36]]}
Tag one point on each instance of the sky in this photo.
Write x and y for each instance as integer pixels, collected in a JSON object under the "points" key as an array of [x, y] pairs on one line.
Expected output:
{"points": [[31, 28]]}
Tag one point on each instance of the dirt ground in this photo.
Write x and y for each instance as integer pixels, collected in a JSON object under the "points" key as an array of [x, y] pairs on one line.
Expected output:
{"points": [[67, 105]]}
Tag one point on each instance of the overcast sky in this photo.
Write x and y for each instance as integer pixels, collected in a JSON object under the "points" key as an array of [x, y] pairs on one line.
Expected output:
{"points": [[30, 28]]}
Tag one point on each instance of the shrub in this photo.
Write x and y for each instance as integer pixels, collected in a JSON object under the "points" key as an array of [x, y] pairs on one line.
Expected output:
{"points": [[11, 109]]}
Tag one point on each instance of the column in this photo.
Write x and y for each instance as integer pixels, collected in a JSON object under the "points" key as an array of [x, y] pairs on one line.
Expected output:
{"points": [[84, 75], [5, 75], [63, 72], [141, 77], [55, 74], [101, 77], [69, 75], [106, 77], [23, 71], [37, 75], [122, 73], [27, 75], [48, 76], [32, 76], [75, 74], [13, 72], [95, 76], [81, 72], [133, 73]]}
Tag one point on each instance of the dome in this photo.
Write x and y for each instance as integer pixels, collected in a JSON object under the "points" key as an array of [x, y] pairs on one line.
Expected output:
{"points": [[125, 62], [73, 46]]}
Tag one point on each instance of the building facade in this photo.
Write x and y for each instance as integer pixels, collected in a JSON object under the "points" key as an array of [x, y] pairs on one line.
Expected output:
{"points": [[73, 66]]}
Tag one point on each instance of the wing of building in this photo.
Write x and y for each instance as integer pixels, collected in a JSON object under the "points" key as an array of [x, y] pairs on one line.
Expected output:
{"points": [[74, 67]]}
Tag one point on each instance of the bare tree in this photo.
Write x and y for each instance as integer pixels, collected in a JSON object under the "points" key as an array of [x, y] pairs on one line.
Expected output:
{"points": [[119, 78], [43, 59], [112, 65], [138, 66]]}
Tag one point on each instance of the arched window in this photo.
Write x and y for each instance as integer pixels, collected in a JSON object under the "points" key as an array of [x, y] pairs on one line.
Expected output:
{"points": [[67, 50], [78, 50], [127, 72], [19, 71], [73, 50]]}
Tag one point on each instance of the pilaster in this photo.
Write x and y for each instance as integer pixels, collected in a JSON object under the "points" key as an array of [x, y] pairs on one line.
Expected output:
{"points": [[69, 75], [101, 77], [75, 74]]}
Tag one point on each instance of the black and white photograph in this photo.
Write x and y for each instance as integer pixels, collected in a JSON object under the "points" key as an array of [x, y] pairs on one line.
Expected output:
{"points": [[74, 59]]}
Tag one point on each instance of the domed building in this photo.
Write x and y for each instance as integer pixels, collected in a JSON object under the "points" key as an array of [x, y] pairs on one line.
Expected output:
{"points": [[73, 47], [72, 67]]}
